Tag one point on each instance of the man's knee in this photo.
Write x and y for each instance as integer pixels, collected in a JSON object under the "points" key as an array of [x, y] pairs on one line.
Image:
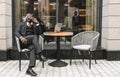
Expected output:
{"points": [[31, 47]]}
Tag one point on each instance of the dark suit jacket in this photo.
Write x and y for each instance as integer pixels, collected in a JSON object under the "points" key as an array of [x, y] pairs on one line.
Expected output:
{"points": [[21, 29], [76, 20]]}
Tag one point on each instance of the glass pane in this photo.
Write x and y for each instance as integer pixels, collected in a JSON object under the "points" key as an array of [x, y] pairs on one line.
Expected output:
{"points": [[63, 16], [91, 13], [78, 21], [47, 12]]}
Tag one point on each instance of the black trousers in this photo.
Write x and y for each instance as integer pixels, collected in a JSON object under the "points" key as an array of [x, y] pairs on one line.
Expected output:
{"points": [[34, 47]]}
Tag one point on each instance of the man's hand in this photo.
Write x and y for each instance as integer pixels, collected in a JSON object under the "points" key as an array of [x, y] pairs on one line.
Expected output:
{"points": [[35, 20], [23, 40]]}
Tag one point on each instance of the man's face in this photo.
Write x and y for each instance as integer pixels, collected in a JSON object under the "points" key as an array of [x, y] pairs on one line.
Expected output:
{"points": [[29, 17], [75, 13]]}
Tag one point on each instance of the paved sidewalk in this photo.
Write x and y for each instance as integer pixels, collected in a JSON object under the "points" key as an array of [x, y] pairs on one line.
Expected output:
{"points": [[78, 68]]}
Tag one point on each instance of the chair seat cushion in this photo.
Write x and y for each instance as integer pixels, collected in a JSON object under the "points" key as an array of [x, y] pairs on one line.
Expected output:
{"points": [[81, 47], [25, 50]]}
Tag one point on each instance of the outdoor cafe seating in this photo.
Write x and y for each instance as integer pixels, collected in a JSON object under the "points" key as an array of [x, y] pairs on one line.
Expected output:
{"points": [[25, 50], [85, 42]]}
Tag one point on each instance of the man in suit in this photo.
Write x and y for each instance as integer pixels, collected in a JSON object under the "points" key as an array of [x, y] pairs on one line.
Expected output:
{"points": [[27, 32], [76, 21]]}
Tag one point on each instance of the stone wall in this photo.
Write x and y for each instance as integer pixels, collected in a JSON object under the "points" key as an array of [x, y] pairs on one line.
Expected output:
{"points": [[111, 25], [5, 25]]}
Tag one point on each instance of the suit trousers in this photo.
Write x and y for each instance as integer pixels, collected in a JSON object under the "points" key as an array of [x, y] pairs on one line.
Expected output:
{"points": [[34, 47]]}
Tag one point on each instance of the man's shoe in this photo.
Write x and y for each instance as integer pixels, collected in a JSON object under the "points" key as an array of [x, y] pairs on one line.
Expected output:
{"points": [[31, 72], [42, 58]]}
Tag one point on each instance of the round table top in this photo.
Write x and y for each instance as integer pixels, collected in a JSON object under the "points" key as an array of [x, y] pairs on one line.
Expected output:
{"points": [[58, 34]]}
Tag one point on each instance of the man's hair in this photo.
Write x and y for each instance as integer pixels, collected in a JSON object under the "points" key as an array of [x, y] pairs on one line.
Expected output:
{"points": [[75, 13], [28, 15]]}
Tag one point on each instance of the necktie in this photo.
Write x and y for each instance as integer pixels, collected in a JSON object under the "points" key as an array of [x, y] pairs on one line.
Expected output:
{"points": [[29, 25]]}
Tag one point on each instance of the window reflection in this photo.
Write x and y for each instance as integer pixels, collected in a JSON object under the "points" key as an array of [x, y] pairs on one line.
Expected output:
{"points": [[46, 10]]}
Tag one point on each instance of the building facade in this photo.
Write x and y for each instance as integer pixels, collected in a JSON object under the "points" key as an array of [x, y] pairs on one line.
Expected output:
{"points": [[5, 27], [103, 15], [111, 28]]}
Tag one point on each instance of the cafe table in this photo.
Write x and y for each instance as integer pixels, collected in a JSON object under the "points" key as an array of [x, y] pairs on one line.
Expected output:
{"points": [[58, 62]]}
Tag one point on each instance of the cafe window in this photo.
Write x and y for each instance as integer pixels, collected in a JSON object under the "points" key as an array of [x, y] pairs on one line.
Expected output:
{"points": [[52, 12]]}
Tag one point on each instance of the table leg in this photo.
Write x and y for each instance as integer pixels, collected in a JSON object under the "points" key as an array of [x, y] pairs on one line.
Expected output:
{"points": [[58, 62]]}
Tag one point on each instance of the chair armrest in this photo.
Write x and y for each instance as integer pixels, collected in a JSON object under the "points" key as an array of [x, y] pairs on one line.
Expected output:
{"points": [[18, 43], [94, 43], [76, 40], [41, 41]]}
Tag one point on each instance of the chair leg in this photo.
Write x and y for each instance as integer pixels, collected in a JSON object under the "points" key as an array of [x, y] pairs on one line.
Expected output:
{"points": [[71, 56], [42, 64], [43, 61], [82, 54], [46, 53], [19, 61], [90, 57], [27, 54], [95, 57]]}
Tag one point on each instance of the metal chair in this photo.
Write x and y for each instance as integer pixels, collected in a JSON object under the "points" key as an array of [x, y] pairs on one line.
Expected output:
{"points": [[26, 50], [85, 41], [41, 42]]}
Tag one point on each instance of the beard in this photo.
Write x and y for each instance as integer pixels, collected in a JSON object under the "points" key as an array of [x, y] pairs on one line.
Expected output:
{"points": [[29, 20]]}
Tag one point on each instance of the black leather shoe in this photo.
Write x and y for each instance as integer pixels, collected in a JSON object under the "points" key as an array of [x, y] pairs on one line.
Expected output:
{"points": [[31, 72], [42, 58]]}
